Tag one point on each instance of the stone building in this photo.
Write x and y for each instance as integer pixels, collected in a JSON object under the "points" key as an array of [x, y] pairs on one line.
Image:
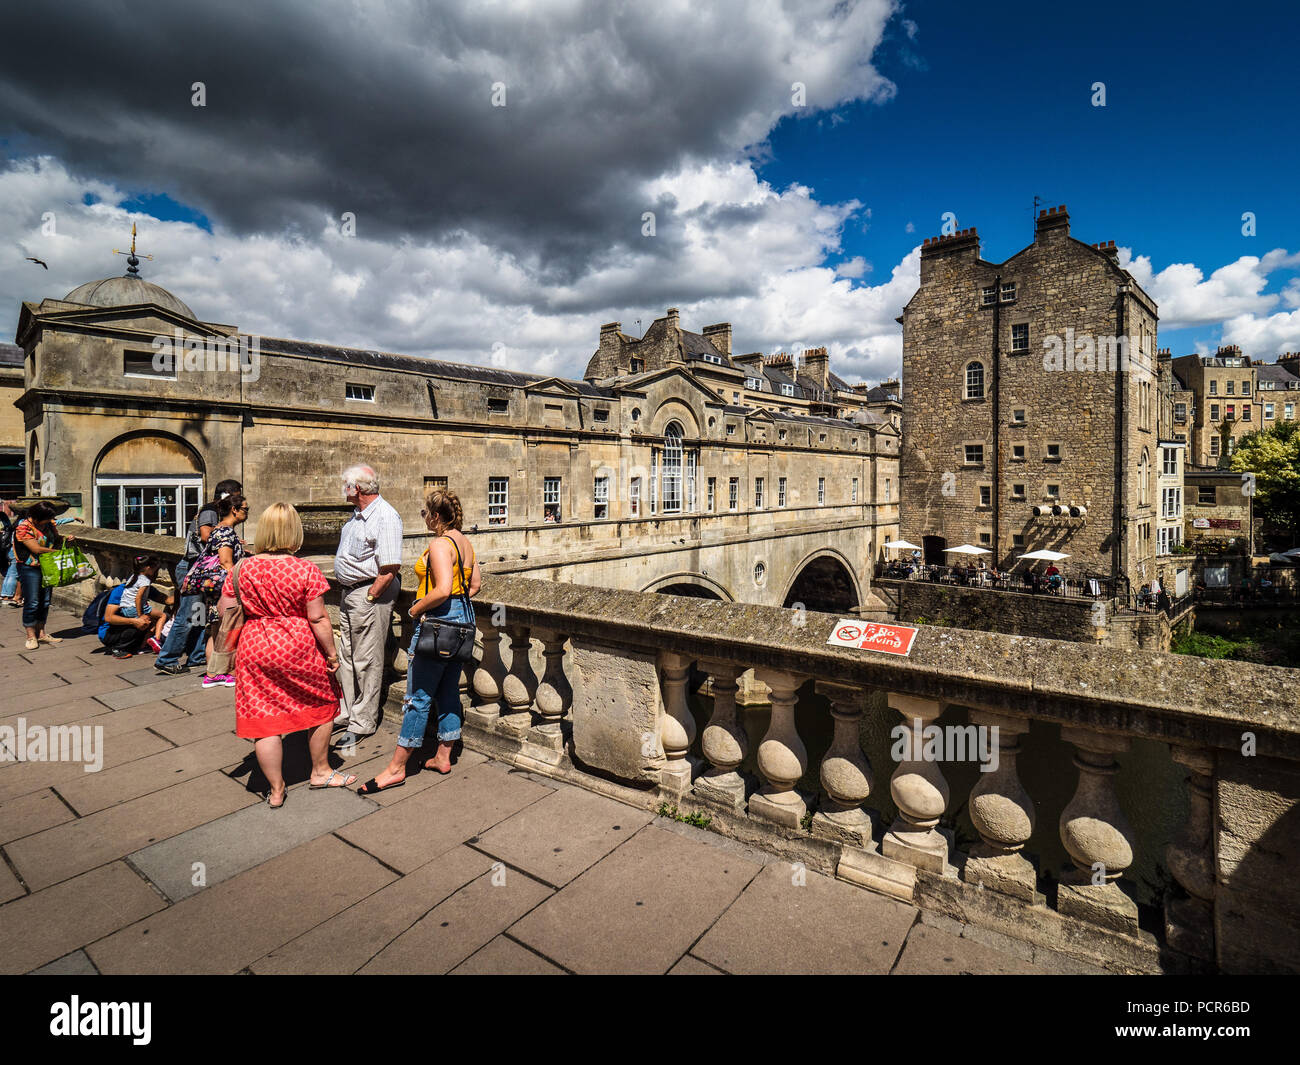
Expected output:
{"points": [[12, 474], [1031, 404], [1278, 390], [1226, 404], [1216, 506], [649, 475]]}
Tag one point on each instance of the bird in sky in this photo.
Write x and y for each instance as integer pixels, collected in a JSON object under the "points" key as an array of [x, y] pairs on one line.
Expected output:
{"points": [[31, 260]]}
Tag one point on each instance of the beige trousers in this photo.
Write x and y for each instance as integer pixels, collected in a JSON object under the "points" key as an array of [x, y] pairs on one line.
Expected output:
{"points": [[363, 632]]}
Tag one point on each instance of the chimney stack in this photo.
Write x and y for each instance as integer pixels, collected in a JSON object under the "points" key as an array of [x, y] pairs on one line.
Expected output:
{"points": [[816, 364], [720, 334], [1050, 220]]}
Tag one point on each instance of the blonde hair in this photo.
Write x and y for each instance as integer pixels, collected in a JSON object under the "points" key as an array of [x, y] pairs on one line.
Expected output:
{"points": [[278, 529], [444, 506]]}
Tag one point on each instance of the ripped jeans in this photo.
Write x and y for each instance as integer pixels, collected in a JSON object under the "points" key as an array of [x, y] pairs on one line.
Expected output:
{"points": [[432, 686]]}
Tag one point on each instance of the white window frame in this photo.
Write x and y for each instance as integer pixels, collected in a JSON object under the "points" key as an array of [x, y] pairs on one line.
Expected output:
{"points": [[854, 498], [821, 491], [600, 497], [181, 484], [712, 493], [367, 392], [634, 497], [733, 493], [758, 493], [974, 379], [1017, 337], [780, 491], [498, 500]]}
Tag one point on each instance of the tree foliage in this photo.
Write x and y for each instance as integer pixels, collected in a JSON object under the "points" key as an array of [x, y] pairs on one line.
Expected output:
{"points": [[1273, 456]]}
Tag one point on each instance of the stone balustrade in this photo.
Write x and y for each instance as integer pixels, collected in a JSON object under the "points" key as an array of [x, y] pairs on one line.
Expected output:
{"points": [[596, 686]]}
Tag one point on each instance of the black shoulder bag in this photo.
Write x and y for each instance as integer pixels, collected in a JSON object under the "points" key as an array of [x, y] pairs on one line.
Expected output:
{"points": [[443, 639]]}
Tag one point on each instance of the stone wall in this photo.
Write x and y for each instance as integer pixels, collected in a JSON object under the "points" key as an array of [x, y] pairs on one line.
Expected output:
{"points": [[1064, 289], [615, 677], [989, 610]]}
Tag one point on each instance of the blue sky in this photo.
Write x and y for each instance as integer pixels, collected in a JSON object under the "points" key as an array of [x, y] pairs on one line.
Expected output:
{"points": [[994, 107], [507, 235]]}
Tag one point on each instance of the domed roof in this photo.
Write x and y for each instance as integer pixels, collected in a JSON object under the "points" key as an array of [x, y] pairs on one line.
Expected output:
{"points": [[124, 292]]}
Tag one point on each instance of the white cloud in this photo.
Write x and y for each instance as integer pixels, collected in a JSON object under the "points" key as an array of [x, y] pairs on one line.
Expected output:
{"points": [[1233, 296], [738, 250]]}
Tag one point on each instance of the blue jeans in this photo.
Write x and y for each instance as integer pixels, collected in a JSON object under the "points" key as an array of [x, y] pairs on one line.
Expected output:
{"points": [[11, 575], [184, 636], [36, 599], [432, 685]]}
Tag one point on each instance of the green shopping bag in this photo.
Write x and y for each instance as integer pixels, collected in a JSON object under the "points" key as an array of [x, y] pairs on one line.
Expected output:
{"points": [[65, 565]]}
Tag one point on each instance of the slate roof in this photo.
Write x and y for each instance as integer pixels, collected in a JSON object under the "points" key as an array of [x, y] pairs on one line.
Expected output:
{"points": [[1280, 375], [695, 345], [11, 356], [456, 371]]}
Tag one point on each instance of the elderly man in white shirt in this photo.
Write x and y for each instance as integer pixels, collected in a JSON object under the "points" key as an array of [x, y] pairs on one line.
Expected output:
{"points": [[367, 567]]}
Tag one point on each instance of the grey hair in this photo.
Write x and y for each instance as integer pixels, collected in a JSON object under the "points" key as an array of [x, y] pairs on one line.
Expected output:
{"points": [[365, 478]]}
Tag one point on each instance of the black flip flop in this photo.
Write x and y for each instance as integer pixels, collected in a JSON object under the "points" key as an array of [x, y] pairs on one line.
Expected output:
{"points": [[371, 787]]}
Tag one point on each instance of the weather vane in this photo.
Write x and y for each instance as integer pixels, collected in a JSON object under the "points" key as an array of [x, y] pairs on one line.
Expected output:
{"points": [[132, 261]]}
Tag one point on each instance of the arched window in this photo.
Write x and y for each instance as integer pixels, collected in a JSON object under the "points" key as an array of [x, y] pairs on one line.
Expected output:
{"points": [[672, 470], [1143, 467], [974, 380]]}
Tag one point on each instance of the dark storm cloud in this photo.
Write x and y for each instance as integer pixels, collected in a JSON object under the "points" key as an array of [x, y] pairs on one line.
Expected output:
{"points": [[385, 110]]}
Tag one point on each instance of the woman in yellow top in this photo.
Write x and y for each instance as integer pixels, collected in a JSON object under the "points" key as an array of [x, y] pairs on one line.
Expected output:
{"points": [[447, 570]]}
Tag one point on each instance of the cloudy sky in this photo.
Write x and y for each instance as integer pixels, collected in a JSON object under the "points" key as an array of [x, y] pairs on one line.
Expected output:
{"points": [[792, 153]]}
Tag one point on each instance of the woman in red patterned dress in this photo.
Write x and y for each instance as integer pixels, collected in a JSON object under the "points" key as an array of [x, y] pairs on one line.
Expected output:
{"points": [[286, 656]]}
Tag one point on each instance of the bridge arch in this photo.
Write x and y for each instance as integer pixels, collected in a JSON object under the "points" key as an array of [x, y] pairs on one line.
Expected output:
{"points": [[692, 584], [824, 581]]}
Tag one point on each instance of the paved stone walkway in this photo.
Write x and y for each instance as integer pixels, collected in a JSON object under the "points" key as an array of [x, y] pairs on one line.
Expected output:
{"points": [[165, 861]]}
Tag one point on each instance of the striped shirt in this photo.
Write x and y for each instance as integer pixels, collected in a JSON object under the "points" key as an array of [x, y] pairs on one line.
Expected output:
{"points": [[371, 538]]}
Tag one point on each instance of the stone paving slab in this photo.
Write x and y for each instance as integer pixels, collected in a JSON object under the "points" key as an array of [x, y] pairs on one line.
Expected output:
{"points": [[31, 813], [558, 837], [639, 909], [97, 791], [460, 925], [251, 835], [38, 713], [147, 674], [407, 834], [105, 686], [689, 965], [68, 849], [74, 964], [51, 923], [930, 950], [793, 921], [504, 955], [29, 681], [345, 943], [10, 888], [186, 728], [23, 778], [146, 715], [205, 699], [124, 696], [416, 782], [231, 925]]}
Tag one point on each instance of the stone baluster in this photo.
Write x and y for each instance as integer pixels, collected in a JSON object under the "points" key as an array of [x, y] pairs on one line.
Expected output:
{"points": [[520, 686], [845, 773], [1001, 811], [677, 725], [919, 791], [724, 742], [554, 697], [488, 680], [1096, 835], [1189, 923], [782, 757]]}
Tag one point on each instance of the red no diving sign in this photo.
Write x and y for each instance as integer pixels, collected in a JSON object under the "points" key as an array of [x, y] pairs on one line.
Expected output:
{"points": [[869, 636]]}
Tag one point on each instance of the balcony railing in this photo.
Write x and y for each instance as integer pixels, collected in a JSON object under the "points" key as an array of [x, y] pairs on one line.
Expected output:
{"points": [[596, 686]]}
